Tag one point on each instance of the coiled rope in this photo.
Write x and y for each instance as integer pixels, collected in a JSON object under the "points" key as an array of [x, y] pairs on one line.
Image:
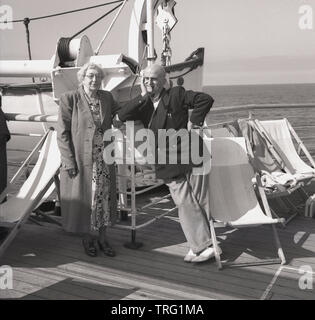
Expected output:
{"points": [[63, 44]]}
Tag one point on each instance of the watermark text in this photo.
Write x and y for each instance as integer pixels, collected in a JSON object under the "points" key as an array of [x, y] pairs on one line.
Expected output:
{"points": [[165, 147], [305, 17], [6, 277], [306, 279], [6, 17]]}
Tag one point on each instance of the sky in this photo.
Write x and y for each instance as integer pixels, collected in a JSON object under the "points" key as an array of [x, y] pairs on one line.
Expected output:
{"points": [[245, 41]]}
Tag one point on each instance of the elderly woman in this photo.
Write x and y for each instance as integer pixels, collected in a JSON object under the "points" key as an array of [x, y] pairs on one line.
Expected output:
{"points": [[88, 184]]}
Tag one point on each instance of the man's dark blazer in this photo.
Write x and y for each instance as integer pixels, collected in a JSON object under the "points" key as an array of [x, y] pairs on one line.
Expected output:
{"points": [[172, 112]]}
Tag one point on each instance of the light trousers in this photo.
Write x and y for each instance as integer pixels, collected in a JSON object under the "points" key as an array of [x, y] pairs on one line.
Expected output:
{"points": [[191, 195]]}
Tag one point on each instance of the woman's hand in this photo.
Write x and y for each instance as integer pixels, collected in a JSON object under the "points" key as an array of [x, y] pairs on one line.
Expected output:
{"points": [[72, 172]]}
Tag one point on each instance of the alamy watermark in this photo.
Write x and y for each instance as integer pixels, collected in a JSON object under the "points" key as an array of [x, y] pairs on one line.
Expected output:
{"points": [[162, 148], [6, 17], [306, 279], [305, 17], [6, 277]]}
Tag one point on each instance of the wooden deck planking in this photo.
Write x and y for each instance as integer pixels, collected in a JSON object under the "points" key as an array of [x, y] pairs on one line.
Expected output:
{"points": [[51, 264], [24, 288], [50, 279], [161, 247], [157, 270], [113, 283], [103, 274], [132, 252], [258, 242], [134, 274], [73, 288]]}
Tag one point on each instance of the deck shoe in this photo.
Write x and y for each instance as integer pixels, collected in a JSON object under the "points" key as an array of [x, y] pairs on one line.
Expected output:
{"points": [[89, 247], [106, 249], [190, 256], [206, 254]]}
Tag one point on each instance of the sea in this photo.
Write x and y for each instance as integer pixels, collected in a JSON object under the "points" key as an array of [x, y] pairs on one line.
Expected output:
{"points": [[296, 102], [262, 94]]}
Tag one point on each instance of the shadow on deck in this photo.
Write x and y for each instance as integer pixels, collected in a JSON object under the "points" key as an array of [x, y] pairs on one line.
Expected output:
{"points": [[50, 264]]}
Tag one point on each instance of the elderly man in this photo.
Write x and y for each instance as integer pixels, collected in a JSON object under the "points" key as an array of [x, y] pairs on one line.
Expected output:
{"points": [[159, 108]]}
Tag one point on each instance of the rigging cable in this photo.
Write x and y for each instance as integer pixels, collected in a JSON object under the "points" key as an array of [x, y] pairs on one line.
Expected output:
{"points": [[110, 27], [64, 12], [95, 21]]}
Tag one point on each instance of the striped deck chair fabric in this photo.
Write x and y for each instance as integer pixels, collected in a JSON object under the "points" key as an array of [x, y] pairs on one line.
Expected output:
{"points": [[232, 196], [37, 188], [280, 134]]}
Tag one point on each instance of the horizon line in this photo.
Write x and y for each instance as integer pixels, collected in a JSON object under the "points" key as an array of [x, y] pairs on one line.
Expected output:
{"points": [[255, 84]]}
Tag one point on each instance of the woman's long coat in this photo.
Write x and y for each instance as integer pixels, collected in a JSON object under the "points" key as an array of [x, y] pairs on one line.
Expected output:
{"points": [[75, 138]]}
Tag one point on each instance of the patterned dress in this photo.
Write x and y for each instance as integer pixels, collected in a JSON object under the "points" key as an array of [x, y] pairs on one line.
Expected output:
{"points": [[100, 207]]}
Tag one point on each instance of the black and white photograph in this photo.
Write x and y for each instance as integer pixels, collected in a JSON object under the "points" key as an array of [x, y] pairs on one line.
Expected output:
{"points": [[157, 155]]}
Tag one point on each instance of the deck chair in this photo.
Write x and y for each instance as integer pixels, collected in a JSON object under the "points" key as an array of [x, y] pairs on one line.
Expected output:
{"points": [[269, 165], [38, 186], [278, 135], [232, 196]]}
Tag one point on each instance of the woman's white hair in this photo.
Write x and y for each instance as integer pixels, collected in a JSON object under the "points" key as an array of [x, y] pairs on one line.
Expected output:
{"points": [[90, 65]]}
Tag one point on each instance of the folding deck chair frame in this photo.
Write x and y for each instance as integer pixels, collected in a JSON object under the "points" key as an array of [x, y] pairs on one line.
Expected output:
{"points": [[267, 212], [280, 196], [276, 153], [14, 227]]}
